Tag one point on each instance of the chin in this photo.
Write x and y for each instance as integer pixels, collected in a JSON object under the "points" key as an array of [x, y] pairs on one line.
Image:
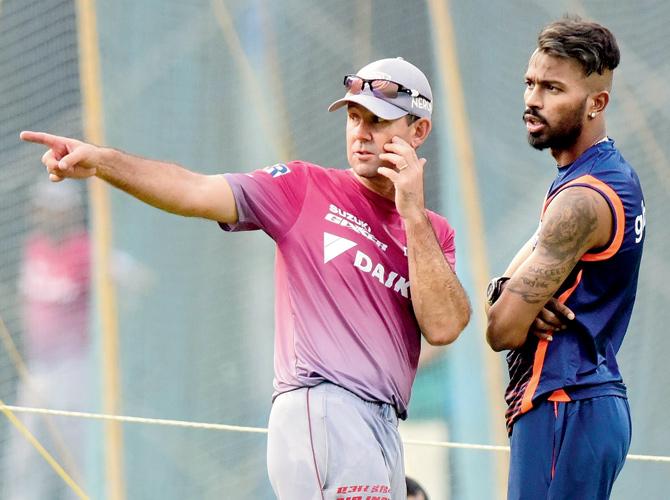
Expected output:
{"points": [[538, 142], [365, 169]]}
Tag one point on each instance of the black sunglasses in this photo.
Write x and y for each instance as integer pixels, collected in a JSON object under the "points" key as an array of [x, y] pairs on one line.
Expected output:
{"points": [[379, 87]]}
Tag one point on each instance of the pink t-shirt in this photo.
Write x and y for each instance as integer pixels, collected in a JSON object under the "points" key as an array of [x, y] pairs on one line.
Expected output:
{"points": [[55, 286], [343, 307]]}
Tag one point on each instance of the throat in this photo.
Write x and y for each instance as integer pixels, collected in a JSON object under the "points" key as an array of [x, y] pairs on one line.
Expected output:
{"points": [[378, 184]]}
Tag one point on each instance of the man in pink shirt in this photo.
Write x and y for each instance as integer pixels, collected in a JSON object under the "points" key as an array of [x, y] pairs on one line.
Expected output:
{"points": [[54, 285], [349, 244]]}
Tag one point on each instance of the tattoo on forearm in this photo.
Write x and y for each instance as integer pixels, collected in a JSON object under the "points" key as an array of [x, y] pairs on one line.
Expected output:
{"points": [[530, 296]]}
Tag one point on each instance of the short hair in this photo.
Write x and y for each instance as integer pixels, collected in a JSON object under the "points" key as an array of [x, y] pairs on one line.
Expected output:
{"points": [[413, 488], [588, 43]]}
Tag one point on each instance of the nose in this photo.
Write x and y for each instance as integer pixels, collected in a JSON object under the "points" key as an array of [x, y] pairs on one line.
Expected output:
{"points": [[532, 97], [362, 130]]}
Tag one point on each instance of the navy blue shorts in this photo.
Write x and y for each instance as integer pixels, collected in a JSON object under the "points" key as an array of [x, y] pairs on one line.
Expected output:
{"points": [[568, 450]]}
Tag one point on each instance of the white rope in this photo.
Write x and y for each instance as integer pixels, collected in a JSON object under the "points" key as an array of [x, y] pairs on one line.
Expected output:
{"points": [[135, 420], [263, 430]]}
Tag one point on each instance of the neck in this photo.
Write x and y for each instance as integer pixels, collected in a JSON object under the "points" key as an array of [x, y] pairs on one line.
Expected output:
{"points": [[377, 184], [585, 141]]}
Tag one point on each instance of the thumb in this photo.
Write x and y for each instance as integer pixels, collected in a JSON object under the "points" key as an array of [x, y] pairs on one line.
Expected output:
{"points": [[78, 157]]}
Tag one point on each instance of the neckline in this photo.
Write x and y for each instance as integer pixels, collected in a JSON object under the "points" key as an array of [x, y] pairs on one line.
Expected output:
{"points": [[373, 196]]}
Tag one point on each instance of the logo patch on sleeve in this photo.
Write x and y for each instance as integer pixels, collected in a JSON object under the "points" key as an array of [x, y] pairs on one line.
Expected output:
{"points": [[277, 169]]}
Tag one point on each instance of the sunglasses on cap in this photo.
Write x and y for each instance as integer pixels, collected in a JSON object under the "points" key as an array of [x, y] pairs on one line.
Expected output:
{"points": [[379, 87]]}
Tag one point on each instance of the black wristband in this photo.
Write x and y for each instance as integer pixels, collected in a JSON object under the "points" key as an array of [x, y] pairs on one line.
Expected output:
{"points": [[495, 288]]}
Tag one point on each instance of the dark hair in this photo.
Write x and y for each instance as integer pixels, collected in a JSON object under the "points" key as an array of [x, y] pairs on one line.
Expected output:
{"points": [[590, 44], [413, 488]]}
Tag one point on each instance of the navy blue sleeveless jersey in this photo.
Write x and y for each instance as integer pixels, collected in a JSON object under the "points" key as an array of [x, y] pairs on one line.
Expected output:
{"points": [[580, 362]]}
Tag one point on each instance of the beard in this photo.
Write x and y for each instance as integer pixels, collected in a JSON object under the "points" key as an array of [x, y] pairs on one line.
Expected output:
{"points": [[560, 136]]}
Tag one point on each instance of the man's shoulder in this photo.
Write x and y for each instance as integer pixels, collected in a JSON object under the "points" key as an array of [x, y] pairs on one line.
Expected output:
{"points": [[306, 168]]}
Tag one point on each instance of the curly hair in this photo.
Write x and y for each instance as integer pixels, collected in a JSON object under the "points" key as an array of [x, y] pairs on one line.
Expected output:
{"points": [[588, 43]]}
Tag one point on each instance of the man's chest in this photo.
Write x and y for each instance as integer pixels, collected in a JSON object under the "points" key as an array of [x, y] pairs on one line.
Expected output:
{"points": [[349, 238]]}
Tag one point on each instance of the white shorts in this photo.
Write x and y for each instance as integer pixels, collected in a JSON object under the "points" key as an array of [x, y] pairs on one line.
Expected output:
{"points": [[325, 443]]}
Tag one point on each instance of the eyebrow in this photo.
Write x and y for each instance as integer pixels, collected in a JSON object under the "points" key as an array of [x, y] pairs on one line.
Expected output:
{"points": [[544, 82]]}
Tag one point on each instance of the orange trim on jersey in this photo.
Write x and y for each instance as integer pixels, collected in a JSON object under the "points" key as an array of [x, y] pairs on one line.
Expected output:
{"points": [[538, 361], [617, 207], [559, 396]]}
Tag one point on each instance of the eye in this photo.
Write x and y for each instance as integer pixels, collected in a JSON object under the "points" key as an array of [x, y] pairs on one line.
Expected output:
{"points": [[529, 84]]}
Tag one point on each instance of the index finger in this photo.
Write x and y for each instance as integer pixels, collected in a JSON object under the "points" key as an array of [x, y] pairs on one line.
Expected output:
{"points": [[561, 308], [49, 140], [397, 143]]}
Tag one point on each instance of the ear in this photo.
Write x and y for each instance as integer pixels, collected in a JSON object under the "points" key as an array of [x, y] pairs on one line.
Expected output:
{"points": [[599, 102], [421, 129]]}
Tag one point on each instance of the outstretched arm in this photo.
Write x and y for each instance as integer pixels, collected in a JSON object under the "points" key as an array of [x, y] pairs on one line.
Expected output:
{"points": [[440, 303], [577, 220], [163, 185]]}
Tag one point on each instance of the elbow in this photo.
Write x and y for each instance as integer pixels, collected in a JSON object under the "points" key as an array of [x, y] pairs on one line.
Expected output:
{"points": [[448, 331], [494, 341], [501, 337]]}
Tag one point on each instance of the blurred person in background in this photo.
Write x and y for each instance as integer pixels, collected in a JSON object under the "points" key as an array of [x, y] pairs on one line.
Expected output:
{"points": [[54, 287], [564, 303], [414, 490], [55, 293], [349, 243]]}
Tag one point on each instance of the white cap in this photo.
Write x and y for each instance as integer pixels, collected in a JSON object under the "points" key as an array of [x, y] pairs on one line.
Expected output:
{"points": [[399, 71]]}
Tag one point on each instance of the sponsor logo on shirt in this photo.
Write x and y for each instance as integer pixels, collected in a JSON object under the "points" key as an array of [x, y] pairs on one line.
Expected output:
{"points": [[640, 224], [277, 170], [334, 246], [390, 280], [345, 219]]}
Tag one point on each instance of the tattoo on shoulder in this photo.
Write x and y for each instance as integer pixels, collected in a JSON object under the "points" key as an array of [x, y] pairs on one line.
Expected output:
{"points": [[562, 236], [560, 246]]}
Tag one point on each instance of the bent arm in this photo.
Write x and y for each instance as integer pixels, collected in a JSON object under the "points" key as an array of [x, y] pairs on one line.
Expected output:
{"points": [[521, 256], [577, 220], [439, 301], [166, 186], [523, 253]]}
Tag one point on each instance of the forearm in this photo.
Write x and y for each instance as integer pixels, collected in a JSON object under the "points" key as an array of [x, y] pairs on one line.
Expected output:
{"points": [[524, 252], [440, 304], [520, 257], [168, 186]]}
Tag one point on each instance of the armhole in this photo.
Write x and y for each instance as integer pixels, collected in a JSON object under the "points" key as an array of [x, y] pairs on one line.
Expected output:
{"points": [[616, 208]]}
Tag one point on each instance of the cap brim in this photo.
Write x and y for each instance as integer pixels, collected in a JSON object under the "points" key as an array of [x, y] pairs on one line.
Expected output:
{"points": [[379, 107]]}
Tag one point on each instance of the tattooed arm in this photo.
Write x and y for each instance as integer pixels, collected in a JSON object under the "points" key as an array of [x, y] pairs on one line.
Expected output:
{"points": [[577, 220]]}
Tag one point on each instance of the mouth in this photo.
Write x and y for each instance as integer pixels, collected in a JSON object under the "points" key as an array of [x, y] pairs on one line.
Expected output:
{"points": [[533, 124], [363, 154]]}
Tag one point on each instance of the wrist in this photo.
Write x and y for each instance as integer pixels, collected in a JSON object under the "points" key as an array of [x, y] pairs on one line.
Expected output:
{"points": [[416, 218], [104, 161], [495, 289]]}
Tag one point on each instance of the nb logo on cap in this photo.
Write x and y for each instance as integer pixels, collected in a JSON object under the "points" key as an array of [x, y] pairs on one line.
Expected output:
{"points": [[421, 103]]}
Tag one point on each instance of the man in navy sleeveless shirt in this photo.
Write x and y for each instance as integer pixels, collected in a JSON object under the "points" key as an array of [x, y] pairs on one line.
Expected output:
{"points": [[564, 303]]}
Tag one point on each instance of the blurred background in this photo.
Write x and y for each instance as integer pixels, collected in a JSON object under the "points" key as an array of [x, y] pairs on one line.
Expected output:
{"points": [[112, 306]]}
